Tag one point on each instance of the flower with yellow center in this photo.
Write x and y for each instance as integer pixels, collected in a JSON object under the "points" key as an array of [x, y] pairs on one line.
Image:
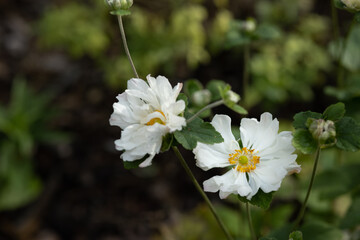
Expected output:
{"points": [[146, 112], [264, 158]]}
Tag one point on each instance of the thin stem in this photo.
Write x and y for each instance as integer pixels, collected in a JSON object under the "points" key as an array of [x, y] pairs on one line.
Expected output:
{"points": [[335, 21], [211, 105], [251, 227], [246, 70], [200, 190], [122, 31], [303, 207]]}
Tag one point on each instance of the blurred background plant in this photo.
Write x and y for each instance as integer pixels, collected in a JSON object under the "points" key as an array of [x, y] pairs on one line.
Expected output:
{"points": [[282, 56]]}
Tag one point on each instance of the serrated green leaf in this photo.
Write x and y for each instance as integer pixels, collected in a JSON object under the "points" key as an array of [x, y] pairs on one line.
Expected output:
{"points": [[297, 235], [352, 217], [191, 86], [183, 97], [348, 134], [134, 164], [301, 118], [316, 230], [334, 112], [260, 199], [197, 131], [120, 12], [167, 142], [214, 87], [304, 141]]}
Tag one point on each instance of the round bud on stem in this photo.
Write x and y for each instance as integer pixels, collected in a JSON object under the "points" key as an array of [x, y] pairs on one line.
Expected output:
{"points": [[352, 5], [322, 130], [119, 4]]}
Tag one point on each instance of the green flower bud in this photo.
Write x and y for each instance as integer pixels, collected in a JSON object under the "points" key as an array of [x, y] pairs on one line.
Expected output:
{"points": [[201, 97], [323, 131], [119, 4], [352, 5], [232, 96]]}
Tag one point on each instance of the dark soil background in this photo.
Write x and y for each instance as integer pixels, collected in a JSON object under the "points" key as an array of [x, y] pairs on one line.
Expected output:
{"points": [[87, 192]]}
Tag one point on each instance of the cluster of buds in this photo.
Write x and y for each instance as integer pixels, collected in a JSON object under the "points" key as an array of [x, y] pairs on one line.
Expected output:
{"points": [[119, 4], [323, 131]]}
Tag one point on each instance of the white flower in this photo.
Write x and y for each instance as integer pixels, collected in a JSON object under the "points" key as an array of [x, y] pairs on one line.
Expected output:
{"points": [[262, 161], [146, 112]]}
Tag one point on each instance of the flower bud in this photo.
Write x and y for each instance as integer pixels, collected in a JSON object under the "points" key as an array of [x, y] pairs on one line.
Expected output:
{"points": [[352, 5], [201, 97], [232, 96], [120, 4], [323, 131]]}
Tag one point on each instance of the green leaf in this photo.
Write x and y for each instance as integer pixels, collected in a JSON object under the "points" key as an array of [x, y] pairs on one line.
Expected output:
{"points": [[334, 112], [214, 87], [297, 235], [352, 217], [167, 142], [316, 230], [334, 182], [304, 141], [183, 97], [260, 199], [120, 12], [351, 55], [301, 118], [191, 86], [348, 134], [197, 131], [134, 164], [236, 108]]}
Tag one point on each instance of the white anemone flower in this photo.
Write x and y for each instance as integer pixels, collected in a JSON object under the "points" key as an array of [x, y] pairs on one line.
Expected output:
{"points": [[146, 112], [261, 162]]}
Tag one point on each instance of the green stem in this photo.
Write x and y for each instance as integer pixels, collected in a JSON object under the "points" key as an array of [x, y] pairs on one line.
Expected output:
{"points": [[251, 227], [303, 207], [122, 31], [200, 190], [246, 71], [211, 105], [335, 21]]}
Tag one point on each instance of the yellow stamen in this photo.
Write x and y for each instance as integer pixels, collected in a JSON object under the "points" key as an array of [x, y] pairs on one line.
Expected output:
{"points": [[156, 120], [244, 160]]}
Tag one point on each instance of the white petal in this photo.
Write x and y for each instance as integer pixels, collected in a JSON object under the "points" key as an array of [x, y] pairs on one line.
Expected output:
{"points": [[243, 187], [222, 124], [147, 161], [211, 156]]}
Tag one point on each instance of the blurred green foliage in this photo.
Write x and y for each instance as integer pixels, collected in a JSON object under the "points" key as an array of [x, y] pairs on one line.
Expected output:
{"points": [[23, 125]]}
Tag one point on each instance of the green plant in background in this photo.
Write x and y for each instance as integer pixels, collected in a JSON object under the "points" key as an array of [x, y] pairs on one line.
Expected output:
{"points": [[23, 125]]}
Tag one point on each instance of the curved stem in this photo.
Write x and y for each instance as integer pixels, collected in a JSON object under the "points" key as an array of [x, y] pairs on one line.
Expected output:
{"points": [[122, 31], [303, 207], [202, 193], [251, 227], [211, 105]]}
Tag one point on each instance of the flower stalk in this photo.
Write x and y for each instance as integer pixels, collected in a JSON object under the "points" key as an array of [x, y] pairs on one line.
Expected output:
{"points": [[202, 193], [211, 105], [251, 227], [303, 207], [122, 32]]}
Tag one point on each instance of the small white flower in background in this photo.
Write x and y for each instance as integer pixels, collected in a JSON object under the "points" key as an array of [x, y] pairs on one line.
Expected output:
{"points": [[352, 5], [262, 161], [146, 112]]}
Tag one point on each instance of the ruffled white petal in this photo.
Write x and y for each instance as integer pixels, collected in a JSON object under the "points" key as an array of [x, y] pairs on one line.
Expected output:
{"points": [[222, 124]]}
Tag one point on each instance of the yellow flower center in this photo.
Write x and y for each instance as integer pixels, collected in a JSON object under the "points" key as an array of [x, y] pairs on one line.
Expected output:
{"points": [[156, 120], [244, 160]]}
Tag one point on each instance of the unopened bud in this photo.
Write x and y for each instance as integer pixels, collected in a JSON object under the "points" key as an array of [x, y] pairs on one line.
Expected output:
{"points": [[232, 96], [352, 5], [201, 97], [323, 131], [120, 4]]}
